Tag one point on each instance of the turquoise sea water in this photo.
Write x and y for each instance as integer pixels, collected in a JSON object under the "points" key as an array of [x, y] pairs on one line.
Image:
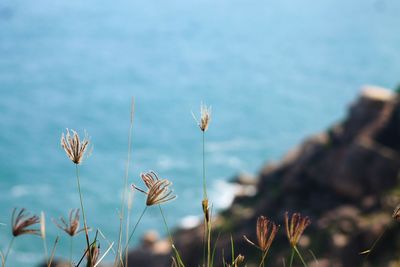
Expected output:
{"points": [[273, 71]]}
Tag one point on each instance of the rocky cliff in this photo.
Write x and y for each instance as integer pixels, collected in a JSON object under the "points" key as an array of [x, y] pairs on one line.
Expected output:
{"points": [[344, 179]]}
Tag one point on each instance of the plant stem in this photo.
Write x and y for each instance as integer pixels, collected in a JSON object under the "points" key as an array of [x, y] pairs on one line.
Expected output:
{"points": [[291, 258], [204, 169], [301, 258], [8, 249], [134, 228], [178, 257], [119, 253], [209, 244], [70, 250], [128, 220], [204, 241], [83, 212], [264, 254], [166, 225], [45, 250]]}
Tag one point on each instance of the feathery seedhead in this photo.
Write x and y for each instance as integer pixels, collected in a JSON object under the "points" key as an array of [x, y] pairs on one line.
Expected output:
{"points": [[239, 260], [72, 226], [266, 231], [73, 146], [396, 213], [206, 209], [296, 227], [158, 190], [93, 256], [21, 223], [205, 117]]}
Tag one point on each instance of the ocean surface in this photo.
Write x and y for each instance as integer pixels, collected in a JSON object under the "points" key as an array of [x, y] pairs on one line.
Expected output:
{"points": [[274, 72]]}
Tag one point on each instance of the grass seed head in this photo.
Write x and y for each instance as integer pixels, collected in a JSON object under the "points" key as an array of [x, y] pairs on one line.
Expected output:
{"points": [[296, 227], [158, 190], [72, 226], [22, 221], [205, 117], [73, 146], [266, 231]]}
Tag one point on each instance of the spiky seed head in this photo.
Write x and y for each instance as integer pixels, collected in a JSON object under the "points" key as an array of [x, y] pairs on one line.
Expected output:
{"points": [[206, 209], [296, 227], [22, 221], [266, 231], [160, 193], [205, 117], [158, 189], [94, 254], [73, 146], [396, 213], [239, 260], [72, 226]]}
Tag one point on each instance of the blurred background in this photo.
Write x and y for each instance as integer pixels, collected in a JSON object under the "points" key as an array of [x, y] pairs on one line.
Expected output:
{"points": [[273, 72]]}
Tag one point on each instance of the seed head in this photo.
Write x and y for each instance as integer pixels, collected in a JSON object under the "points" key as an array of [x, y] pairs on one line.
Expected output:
{"points": [[206, 209], [21, 223], [239, 260], [158, 190], [73, 146], [94, 254], [205, 117], [296, 227], [72, 226], [266, 231], [396, 213]]}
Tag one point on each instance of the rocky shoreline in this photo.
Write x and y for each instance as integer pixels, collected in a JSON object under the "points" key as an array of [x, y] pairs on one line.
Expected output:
{"points": [[345, 179]]}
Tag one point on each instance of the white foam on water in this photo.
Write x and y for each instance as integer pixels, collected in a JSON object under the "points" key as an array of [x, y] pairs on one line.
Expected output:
{"points": [[223, 193], [190, 221]]}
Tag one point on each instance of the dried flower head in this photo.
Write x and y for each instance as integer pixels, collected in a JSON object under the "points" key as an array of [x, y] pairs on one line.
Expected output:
{"points": [[296, 227], [73, 146], [239, 260], [205, 117], [21, 223], [72, 226], [206, 209], [94, 254], [158, 190], [266, 231], [396, 213]]}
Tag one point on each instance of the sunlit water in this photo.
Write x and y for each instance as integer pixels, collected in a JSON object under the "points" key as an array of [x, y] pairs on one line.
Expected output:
{"points": [[273, 71]]}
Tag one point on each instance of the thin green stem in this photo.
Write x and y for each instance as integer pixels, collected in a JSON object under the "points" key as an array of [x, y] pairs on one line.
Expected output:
{"points": [[134, 228], [204, 169], [291, 258], [264, 254], [204, 241], [128, 220], [46, 255], [209, 244], [166, 225], [301, 258], [83, 212], [178, 257], [128, 160], [8, 250], [71, 241]]}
